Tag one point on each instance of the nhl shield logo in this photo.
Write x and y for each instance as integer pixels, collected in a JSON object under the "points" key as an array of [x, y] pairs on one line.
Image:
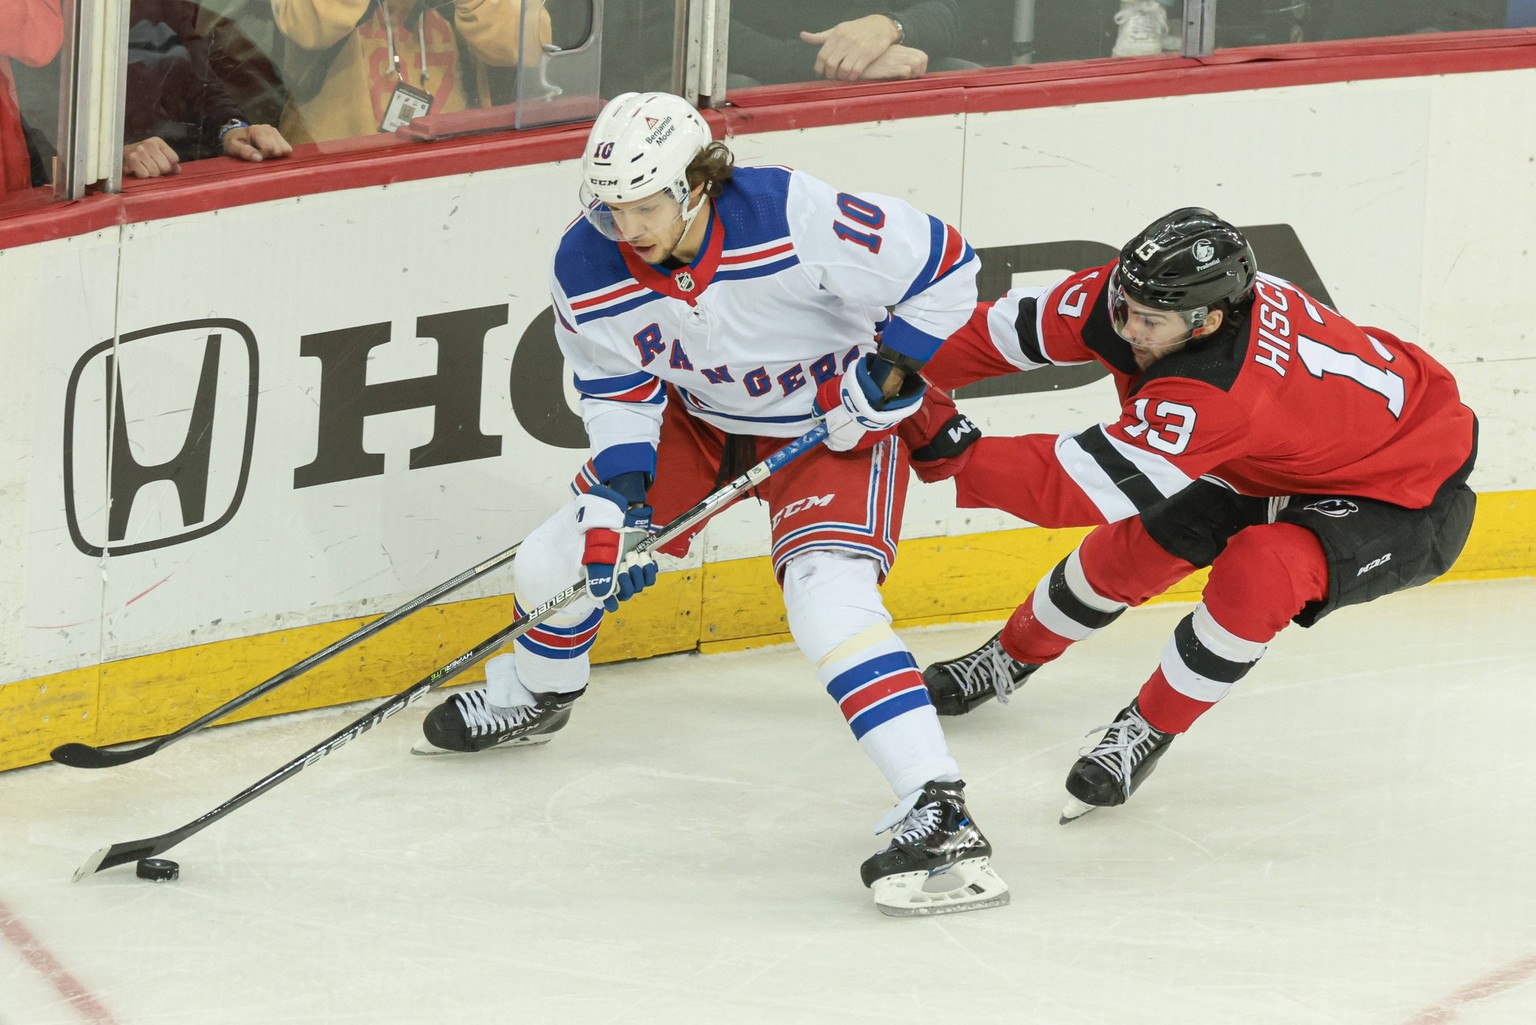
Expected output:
{"points": [[684, 280]]}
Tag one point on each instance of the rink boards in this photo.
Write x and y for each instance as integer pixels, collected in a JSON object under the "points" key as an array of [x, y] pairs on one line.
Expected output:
{"points": [[359, 396]]}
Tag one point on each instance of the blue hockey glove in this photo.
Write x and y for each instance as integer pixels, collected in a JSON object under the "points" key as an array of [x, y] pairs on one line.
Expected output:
{"points": [[855, 409], [611, 529]]}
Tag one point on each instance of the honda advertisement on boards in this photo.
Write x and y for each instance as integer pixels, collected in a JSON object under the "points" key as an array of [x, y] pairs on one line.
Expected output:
{"points": [[304, 410]]}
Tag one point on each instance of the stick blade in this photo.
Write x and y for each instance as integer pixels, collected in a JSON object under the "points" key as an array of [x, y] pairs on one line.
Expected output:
{"points": [[121, 854], [79, 756], [84, 756], [92, 864]]}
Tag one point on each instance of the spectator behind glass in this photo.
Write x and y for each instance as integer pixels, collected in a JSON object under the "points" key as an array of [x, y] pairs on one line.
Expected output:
{"points": [[775, 41], [356, 67], [30, 31], [1146, 27], [177, 108], [1143, 29]]}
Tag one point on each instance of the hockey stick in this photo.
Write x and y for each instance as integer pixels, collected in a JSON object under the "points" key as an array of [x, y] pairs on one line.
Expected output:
{"points": [[84, 756], [136, 850]]}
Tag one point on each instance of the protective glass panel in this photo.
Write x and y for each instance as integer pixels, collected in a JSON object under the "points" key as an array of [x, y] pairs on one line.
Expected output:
{"points": [[1098, 28], [403, 69], [31, 34], [200, 83], [932, 38], [1262, 22], [561, 81], [245, 49], [640, 36]]}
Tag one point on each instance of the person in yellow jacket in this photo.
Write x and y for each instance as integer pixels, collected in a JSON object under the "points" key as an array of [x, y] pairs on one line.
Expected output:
{"points": [[358, 67]]}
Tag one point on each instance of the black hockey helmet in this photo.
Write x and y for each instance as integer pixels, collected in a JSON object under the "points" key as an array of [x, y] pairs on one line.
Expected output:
{"points": [[1187, 261]]}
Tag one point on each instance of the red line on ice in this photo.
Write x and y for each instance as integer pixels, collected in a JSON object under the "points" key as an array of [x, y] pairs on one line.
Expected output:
{"points": [[49, 967], [1507, 977]]}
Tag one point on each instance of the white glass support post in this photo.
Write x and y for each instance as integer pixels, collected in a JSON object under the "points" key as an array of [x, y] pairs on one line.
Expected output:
{"points": [[699, 51], [91, 97], [1199, 27], [1023, 31], [714, 47], [680, 47]]}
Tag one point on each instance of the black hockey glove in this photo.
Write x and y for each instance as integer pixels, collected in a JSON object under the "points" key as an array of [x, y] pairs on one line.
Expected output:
{"points": [[938, 437]]}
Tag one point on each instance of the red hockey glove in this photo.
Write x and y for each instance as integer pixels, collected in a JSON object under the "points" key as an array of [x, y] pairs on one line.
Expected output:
{"points": [[938, 437]]}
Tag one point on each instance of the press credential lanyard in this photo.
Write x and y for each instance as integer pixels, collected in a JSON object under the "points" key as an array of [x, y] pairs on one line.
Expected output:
{"points": [[407, 102]]}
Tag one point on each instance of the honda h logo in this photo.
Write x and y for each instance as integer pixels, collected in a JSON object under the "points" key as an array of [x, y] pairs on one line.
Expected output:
{"points": [[170, 463]]}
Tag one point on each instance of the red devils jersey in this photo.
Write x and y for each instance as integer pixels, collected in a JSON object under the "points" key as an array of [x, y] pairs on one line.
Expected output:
{"points": [[1288, 398]]}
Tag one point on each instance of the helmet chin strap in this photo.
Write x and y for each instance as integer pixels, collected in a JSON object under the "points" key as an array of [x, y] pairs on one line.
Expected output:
{"points": [[689, 213]]}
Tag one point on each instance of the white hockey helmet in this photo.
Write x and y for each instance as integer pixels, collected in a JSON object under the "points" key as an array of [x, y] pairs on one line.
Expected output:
{"points": [[641, 144]]}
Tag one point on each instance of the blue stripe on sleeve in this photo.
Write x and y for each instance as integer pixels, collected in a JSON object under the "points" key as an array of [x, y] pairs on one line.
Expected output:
{"points": [[605, 387], [937, 237], [909, 341], [617, 459]]}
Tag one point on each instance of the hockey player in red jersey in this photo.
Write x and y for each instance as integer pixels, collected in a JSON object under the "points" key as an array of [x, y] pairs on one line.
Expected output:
{"points": [[708, 315], [1309, 462]]}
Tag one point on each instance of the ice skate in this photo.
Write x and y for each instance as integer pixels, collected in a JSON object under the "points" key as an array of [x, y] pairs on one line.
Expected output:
{"points": [[959, 685], [466, 722], [1109, 772], [938, 861], [1143, 30]]}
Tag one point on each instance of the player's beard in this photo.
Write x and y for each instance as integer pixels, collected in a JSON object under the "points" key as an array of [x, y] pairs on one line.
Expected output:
{"points": [[1145, 356], [656, 247]]}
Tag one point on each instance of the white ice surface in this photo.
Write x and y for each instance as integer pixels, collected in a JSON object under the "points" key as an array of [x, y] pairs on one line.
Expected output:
{"points": [[1349, 839]]}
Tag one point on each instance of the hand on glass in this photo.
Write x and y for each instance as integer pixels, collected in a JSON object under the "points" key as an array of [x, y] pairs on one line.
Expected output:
{"points": [[897, 62], [256, 143], [150, 158], [850, 47]]}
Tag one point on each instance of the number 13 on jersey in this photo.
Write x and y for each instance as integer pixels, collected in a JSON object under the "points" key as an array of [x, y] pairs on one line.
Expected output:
{"points": [[1167, 430]]}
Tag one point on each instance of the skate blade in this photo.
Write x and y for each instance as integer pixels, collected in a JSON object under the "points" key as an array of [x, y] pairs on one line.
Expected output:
{"points": [[965, 886], [1074, 809], [427, 748]]}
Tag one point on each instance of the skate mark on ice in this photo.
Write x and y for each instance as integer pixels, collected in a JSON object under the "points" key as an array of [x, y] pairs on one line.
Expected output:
{"points": [[688, 777]]}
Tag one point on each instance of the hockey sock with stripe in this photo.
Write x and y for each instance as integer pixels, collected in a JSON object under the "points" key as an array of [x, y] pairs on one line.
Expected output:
{"points": [[1063, 610]]}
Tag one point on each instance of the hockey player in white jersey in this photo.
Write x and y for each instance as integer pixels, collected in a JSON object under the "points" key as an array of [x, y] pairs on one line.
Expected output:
{"points": [[710, 314]]}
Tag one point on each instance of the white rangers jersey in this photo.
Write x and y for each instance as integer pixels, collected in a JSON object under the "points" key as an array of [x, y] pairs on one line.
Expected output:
{"points": [[791, 284]]}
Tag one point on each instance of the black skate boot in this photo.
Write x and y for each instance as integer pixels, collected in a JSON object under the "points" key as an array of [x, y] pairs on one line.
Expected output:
{"points": [[937, 861], [959, 685], [1109, 773], [466, 722]]}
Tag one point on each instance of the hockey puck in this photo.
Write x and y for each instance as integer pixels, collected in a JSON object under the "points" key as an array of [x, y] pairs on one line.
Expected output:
{"points": [[161, 870]]}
